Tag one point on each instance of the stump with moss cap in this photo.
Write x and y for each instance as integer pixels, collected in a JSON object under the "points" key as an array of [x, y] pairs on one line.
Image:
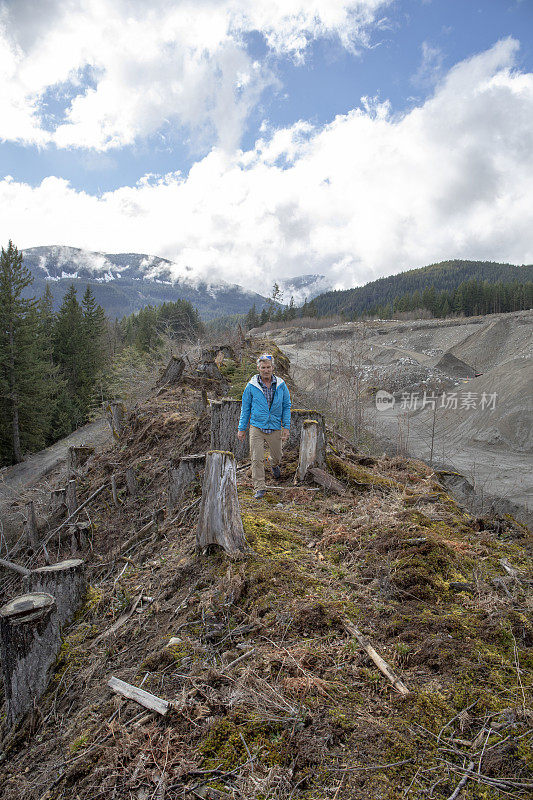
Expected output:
{"points": [[298, 417], [225, 415], [220, 517], [29, 643]]}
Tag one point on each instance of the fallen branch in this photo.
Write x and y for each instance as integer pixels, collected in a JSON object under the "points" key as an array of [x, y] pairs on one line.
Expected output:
{"points": [[382, 665], [325, 480], [15, 567], [80, 508], [120, 621], [139, 696], [462, 781]]}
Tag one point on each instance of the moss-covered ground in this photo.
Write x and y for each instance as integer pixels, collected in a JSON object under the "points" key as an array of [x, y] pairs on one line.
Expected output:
{"points": [[271, 696]]}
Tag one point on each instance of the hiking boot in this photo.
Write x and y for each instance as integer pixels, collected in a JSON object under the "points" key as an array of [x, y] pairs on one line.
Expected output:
{"points": [[260, 494], [276, 472]]}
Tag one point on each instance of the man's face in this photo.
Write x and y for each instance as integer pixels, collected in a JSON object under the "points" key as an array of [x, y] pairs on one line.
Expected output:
{"points": [[265, 370]]}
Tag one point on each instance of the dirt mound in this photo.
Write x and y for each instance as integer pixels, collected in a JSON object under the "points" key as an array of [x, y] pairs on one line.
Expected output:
{"points": [[453, 366], [497, 341]]}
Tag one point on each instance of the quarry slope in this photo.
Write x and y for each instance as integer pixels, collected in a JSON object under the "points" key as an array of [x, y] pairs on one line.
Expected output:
{"points": [[272, 696], [490, 442]]}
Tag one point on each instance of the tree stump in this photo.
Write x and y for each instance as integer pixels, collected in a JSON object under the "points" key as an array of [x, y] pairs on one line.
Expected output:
{"points": [[77, 456], [115, 417], [225, 416], [30, 641], [67, 584], [173, 372], [202, 403], [71, 497], [183, 473], [207, 367], [298, 416], [220, 517], [308, 448], [131, 481], [30, 525], [58, 500]]}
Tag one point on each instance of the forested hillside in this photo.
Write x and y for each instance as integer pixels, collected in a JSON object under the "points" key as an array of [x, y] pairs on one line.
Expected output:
{"points": [[464, 287], [57, 367]]}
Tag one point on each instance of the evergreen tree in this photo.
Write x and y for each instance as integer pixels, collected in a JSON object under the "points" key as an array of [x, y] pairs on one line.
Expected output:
{"points": [[25, 386], [69, 350], [92, 357]]}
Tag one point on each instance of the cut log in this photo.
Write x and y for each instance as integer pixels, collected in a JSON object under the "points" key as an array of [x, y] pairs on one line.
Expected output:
{"points": [[30, 525], [77, 457], [298, 416], [325, 480], [58, 500], [131, 481], [139, 696], [115, 416], [182, 474], [66, 582], [220, 518], [15, 567], [308, 447], [382, 665], [225, 416], [30, 641], [72, 502], [173, 372]]}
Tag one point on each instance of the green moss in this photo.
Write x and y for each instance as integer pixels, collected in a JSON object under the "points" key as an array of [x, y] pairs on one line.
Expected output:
{"points": [[357, 475], [79, 743], [231, 739]]}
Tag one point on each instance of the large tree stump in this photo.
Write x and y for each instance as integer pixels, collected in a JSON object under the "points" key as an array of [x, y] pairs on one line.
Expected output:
{"points": [[29, 643], [30, 526], [65, 581], [183, 473], [71, 497], [115, 417], [308, 448], [58, 500], [220, 516], [298, 416], [173, 372], [225, 416], [77, 456]]}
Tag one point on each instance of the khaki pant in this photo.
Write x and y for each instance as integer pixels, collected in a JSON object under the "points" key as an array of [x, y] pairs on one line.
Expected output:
{"points": [[257, 453]]}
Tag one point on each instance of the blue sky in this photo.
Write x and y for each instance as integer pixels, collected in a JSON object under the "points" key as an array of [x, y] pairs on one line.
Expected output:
{"points": [[256, 140]]}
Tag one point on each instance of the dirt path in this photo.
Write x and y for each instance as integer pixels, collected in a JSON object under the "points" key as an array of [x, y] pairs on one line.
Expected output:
{"points": [[21, 476]]}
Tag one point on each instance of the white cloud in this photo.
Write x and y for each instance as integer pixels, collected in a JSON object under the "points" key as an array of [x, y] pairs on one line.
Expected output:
{"points": [[153, 65], [367, 195]]}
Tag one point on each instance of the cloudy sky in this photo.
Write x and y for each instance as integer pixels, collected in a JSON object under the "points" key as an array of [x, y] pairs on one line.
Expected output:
{"points": [[253, 140]]}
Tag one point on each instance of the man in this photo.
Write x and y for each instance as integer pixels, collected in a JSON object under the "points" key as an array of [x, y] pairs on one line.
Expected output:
{"points": [[266, 407]]}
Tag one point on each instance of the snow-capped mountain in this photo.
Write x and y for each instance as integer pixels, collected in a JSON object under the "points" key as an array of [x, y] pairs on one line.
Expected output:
{"points": [[304, 287]]}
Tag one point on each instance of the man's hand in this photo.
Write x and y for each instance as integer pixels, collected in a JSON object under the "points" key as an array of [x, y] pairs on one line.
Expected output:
{"points": [[285, 434], [241, 435]]}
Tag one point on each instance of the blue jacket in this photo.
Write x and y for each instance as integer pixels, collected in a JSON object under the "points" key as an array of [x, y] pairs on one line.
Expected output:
{"points": [[255, 410]]}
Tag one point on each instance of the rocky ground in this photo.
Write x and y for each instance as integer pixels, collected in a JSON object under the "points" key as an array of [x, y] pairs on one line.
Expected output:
{"points": [[272, 695], [483, 365]]}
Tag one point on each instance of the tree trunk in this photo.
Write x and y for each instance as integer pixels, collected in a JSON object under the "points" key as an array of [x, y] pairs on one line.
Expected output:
{"points": [[183, 473], [115, 417], [298, 415], [220, 518], [77, 456], [66, 582], [225, 416], [32, 539], [58, 500], [72, 502], [30, 641], [308, 448], [131, 481], [173, 372]]}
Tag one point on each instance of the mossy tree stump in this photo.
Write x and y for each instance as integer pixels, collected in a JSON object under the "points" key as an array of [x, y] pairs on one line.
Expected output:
{"points": [[308, 448], [29, 643], [65, 581], [225, 415], [298, 417], [115, 416], [220, 515], [182, 474]]}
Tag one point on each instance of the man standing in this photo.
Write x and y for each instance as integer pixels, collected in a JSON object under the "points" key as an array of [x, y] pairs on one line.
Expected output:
{"points": [[266, 407]]}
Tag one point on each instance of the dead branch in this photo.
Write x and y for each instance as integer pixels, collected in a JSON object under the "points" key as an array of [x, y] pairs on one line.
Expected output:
{"points": [[382, 665]]}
